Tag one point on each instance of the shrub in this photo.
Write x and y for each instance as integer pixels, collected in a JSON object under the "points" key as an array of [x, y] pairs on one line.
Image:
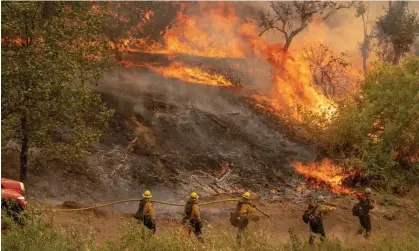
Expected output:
{"points": [[378, 129], [38, 234]]}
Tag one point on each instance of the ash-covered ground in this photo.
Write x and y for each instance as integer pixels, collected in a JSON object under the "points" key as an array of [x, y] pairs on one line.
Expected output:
{"points": [[174, 137]]}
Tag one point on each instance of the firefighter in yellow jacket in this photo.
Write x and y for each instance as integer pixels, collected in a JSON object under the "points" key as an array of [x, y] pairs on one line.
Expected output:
{"points": [[314, 217], [145, 213], [245, 209], [192, 217]]}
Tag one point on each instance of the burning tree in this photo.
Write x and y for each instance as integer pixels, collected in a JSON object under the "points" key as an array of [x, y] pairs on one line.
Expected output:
{"points": [[142, 23], [290, 18], [329, 68], [377, 130]]}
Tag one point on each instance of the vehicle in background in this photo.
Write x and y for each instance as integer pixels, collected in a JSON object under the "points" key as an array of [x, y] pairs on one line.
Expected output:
{"points": [[13, 200]]}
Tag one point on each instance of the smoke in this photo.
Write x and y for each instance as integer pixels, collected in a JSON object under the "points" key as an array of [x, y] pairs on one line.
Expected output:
{"points": [[344, 31], [213, 34]]}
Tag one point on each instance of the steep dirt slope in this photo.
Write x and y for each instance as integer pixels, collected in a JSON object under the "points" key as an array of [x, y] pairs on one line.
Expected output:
{"points": [[174, 137]]}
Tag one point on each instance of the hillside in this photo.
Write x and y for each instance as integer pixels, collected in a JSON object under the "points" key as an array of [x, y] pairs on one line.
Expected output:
{"points": [[170, 134]]}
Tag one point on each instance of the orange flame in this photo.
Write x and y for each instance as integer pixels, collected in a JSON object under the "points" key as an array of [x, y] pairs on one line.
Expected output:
{"points": [[219, 33], [324, 175], [207, 35], [191, 74]]}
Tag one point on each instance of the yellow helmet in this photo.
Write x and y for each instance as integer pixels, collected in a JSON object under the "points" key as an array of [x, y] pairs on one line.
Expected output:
{"points": [[194, 195], [147, 194], [246, 195]]}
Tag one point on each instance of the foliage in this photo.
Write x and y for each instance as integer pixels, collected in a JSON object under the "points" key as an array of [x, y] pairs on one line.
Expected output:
{"points": [[362, 11], [328, 68], [41, 235], [377, 130], [290, 18], [38, 234], [50, 52], [146, 21], [396, 31]]}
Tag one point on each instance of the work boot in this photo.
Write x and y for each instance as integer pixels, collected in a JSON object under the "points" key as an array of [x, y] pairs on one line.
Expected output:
{"points": [[360, 231], [311, 240], [367, 235]]}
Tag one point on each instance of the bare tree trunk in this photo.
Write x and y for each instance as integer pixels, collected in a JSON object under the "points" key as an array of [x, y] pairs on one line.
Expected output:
{"points": [[364, 46], [287, 44], [364, 64], [397, 55], [284, 55], [24, 148]]}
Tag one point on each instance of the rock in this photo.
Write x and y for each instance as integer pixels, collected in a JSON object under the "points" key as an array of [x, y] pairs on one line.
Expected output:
{"points": [[254, 218], [70, 204], [389, 217]]}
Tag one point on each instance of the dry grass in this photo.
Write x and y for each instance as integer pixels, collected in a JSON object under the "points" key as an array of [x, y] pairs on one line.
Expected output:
{"points": [[41, 235]]}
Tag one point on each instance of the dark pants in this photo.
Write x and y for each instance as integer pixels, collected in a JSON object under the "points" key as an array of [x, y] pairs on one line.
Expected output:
{"points": [[242, 225], [365, 221], [195, 226], [150, 224], [316, 229]]}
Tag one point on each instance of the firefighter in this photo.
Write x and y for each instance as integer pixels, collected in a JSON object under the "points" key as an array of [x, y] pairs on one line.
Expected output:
{"points": [[244, 210], [314, 217], [192, 217], [145, 213], [362, 210]]}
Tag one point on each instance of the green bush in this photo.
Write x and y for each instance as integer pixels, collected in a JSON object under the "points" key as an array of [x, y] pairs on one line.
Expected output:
{"points": [[376, 130]]}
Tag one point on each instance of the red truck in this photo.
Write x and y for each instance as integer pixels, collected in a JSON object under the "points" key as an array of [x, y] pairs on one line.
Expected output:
{"points": [[13, 200]]}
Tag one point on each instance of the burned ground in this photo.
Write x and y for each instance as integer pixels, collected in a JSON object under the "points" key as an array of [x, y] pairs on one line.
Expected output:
{"points": [[179, 136]]}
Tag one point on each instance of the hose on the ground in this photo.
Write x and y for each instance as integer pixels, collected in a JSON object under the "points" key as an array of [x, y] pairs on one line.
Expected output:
{"points": [[133, 200]]}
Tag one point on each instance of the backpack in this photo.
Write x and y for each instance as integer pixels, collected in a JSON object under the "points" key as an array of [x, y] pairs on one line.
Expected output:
{"points": [[308, 216], [139, 214], [235, 217], [188, 209], [357, 210]]}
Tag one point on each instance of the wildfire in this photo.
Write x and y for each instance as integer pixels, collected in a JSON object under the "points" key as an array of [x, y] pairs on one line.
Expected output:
{"points": [[217, 32], [191, 74], [325, 174], [210, 34]]}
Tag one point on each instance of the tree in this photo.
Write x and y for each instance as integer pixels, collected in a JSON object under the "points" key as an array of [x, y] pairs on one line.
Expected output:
{"points": [[290, 18], [50, 52], [396, 31], [143, 23], [378, 129], [328, 68], [416, 48], [365, 46]]}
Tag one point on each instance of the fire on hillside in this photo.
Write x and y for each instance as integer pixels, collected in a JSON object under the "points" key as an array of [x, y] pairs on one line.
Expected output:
{"points": [[218, 32], [326, 175]]}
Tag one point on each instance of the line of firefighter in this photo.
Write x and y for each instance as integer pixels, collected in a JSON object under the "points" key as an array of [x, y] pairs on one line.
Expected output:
{"points": [[313, 216]]}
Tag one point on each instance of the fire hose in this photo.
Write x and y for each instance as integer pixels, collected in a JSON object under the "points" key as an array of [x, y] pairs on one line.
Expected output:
{"points": [[155, 201]]}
